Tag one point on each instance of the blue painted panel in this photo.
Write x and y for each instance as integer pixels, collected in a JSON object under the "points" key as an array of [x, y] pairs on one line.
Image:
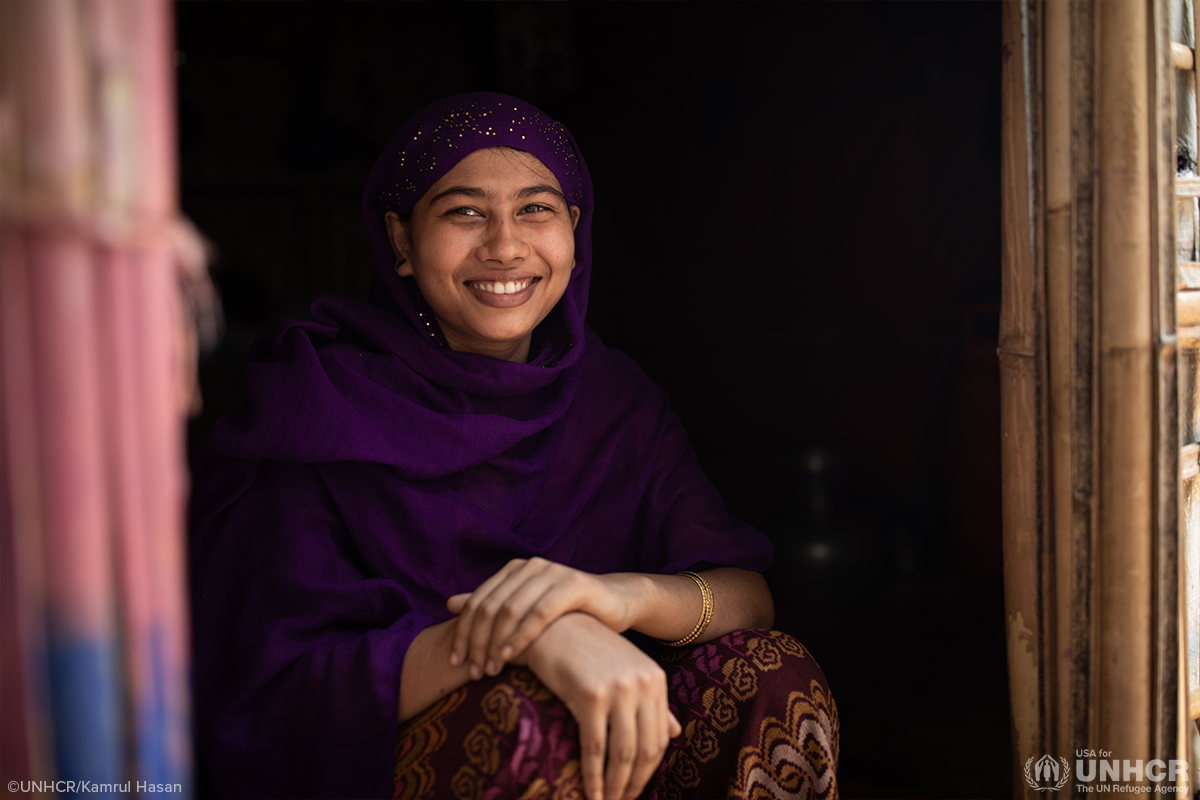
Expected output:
{"points": [[85, 687], [158, 725]]}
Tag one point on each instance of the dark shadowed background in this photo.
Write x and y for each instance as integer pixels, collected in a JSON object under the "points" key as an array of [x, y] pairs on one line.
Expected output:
{"points": [[797, 233]]}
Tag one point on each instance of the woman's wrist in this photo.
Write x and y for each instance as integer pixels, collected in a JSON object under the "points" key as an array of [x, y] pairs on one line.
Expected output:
{"points": [[534, 656], [706, 612], [673, 606], [638, 596], [661, 606]]}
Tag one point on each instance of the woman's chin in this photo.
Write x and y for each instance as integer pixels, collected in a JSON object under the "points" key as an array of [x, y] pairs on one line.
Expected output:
{"points": [[490, 341], [500, 332]]}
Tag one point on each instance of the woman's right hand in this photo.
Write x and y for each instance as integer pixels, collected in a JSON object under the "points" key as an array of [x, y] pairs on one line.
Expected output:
{"points": [[618, 696], [509, 610]]}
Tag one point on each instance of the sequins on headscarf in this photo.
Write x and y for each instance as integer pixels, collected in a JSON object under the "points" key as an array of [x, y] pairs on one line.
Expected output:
{"points": [[473, 123]]}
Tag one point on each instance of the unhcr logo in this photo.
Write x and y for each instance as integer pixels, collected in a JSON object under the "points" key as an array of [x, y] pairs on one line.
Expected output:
{"points": [[1047, 775], [1106, 775]]}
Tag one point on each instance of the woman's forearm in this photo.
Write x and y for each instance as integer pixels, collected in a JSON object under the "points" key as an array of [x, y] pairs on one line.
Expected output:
{"points": [[509, 611], [427, 675], [671, 604]]}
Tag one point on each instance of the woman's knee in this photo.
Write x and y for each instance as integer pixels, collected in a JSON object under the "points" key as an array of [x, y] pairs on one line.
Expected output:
{"points": [[495, 737], [753, 674], [757, 712]]}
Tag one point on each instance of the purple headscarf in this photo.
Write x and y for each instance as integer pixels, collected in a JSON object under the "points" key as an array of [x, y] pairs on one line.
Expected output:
{"points": [[376, 472]]}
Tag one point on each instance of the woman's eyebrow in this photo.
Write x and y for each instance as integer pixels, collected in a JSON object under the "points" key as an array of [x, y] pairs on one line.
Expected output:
{"points": [[541, 188], [468, 191], [475, 191]]}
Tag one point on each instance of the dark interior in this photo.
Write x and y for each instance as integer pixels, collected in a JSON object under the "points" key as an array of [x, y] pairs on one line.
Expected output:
{"points": [[797, 234]]}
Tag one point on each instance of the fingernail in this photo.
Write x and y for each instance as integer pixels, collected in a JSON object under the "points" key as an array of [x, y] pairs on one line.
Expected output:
{"points": [[475, 672], [455, 659], [506, 652], [491, 667]]}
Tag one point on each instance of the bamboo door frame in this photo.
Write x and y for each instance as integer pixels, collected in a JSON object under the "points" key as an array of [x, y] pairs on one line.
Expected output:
{"points": [[1089, 400]]}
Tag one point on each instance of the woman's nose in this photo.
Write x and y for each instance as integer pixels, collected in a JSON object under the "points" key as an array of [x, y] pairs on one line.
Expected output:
{"points": [[503, 242]]}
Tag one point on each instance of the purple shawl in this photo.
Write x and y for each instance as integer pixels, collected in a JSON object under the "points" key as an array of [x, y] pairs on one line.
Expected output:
{"points": [[376, 472]]}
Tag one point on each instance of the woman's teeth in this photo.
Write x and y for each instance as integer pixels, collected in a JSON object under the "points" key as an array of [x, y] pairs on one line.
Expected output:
{"points": [[498, 287]]}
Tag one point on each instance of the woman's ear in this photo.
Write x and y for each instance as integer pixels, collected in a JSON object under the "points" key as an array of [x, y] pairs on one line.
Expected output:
{"points": [[397, 233]]}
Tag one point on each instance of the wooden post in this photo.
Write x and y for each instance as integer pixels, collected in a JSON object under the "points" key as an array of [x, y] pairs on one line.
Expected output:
{"points": [[1060, 287], [1090, 406], [1022, 416], [1126, 386], [1165, 78]]}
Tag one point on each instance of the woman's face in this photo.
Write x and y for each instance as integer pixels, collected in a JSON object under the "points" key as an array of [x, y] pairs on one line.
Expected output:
{"points": [[491, 246]]}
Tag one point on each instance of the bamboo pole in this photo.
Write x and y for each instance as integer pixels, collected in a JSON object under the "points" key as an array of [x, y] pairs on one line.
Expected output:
{"points": [[1088, 359], [1059, 290], [1021, 367], [1189, 307], [1078, 653], [1164, 81], [1189, 275], [1188, 573], [1126, 394]]}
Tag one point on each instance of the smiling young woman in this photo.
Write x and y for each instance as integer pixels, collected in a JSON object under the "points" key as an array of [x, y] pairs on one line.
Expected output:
{"points": [[454, 509], [491, 246]]}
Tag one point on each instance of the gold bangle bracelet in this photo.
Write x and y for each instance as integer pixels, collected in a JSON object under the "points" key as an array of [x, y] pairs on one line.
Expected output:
{"points": [[706, 612]]}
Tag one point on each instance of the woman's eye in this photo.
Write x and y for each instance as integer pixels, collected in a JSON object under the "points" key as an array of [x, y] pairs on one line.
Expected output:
{"points": [[466, 211], [534, 208]]}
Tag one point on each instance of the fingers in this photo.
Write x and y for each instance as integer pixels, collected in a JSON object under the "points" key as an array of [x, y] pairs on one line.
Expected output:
{"points": [[506, 607], [639, 725], [457, 602], [651, 743], [510, 610], [491, 611], [622, 740], [653, 731], [467, 612], [618, 697], [593, 744]]}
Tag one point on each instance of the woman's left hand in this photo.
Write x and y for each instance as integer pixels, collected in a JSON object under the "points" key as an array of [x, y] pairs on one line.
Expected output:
{"points": [[510, 610]]}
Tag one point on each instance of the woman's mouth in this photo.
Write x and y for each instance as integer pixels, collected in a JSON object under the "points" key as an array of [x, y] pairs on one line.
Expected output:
{"points": [[503, 294], [502, 287]]}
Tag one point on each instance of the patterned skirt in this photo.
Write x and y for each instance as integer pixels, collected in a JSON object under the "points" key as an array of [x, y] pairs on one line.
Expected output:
{"points": [[758, 722]]}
